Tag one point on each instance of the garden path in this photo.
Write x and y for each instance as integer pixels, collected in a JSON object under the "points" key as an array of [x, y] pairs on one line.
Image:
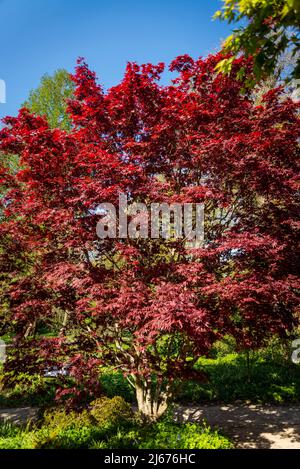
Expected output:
{"points": [[250, 426]]}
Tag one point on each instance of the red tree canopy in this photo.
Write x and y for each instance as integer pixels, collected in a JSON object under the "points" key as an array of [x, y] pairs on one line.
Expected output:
{"points": [[154, 306]]}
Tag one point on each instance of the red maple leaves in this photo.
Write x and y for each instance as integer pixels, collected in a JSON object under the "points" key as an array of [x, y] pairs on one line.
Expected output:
{"points": [[198, 140]]}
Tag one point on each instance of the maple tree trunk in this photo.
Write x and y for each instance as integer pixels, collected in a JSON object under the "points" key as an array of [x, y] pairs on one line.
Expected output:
{"points": [[152, 401], [30, 329], [64, 323]]}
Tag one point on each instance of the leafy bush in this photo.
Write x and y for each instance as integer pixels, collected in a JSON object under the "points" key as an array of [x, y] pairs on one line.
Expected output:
{"points": [[60, 419], [15, 437], [26, 389], [169, 435], [223, 347], [71, 429], [114, 384], [105, 410], [73, 437], [22, 441]]}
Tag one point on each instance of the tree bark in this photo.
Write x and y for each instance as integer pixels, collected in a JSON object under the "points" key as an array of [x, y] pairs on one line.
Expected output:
{"points": [[64, 324], [30, 329], [152, 401]]}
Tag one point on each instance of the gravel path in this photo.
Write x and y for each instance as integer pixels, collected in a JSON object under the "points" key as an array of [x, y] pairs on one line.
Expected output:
{"points": [[249, 426], [19, 416]]}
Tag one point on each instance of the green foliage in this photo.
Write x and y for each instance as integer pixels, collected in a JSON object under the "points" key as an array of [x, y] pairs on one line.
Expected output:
{"points": [[60, 419], [267, 381], [167, 435], [50, 99], [7, 430], [223, 347], [128, 438], [21, 440], [114, 384], [71, 437], [272, 29], [61, 430], [26, 389], [16, 437], [273, 377], [109, 423], [113, 411]]}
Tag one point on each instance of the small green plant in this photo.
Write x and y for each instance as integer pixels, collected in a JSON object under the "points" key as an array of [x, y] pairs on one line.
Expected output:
{"points": [[168, 435], [7, 430], [112, 411], [60, 419]]}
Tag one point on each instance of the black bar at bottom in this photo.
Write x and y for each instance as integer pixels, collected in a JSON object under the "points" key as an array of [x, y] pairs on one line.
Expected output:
{"points": [[150, 458]]}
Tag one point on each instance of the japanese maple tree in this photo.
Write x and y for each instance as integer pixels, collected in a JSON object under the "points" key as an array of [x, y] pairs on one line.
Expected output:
{"points": [[151, 307]]}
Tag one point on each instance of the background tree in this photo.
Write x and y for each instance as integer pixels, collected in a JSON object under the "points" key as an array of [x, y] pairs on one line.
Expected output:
{"points": [[50, 99], [272, 28], [283, 68], [151, 307]]}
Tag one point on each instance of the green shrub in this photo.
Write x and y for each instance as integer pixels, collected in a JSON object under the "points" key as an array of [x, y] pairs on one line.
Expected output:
{"points": [[114, 384], [51, 438], [60, 419], [110, 411], [67, 438], [15, 437], [69, 430], [169, 435], [223, 347], [8, 430], [26, 389], [22, 441]]}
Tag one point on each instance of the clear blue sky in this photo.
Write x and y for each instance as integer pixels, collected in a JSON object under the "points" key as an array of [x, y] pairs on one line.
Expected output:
{"points": [[39, 36]]}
